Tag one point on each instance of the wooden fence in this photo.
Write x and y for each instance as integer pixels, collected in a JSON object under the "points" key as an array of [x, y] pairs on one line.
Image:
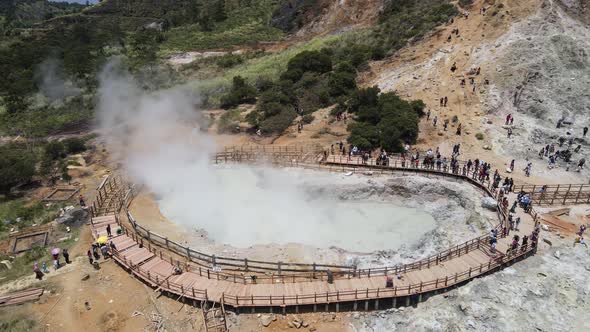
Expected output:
{"points": [[560, 194], [234, 268], [286, 272]]}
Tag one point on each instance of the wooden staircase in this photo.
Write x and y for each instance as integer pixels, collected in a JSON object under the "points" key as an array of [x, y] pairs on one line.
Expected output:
{"points": [[214, 317]]}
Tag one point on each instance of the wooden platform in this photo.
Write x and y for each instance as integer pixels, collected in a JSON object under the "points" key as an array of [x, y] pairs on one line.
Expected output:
{"points": [[21, 297], [439, 272]]}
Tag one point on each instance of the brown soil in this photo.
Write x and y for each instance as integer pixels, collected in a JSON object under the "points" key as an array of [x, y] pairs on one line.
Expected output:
{"points": [[422, 71]]}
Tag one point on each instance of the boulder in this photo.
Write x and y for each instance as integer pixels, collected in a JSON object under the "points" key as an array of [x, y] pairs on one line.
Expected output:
{"points": [[266, 320], [75, 216], [489, 203]]}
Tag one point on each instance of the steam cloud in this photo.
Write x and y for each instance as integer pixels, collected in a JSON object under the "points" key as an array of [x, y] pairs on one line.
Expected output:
{"points": [[52, 81], [157, 137]]}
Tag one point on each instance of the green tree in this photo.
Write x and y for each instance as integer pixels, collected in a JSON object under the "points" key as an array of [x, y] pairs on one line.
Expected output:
{"points": [[240, 93], [17, 166], [143, 48]]}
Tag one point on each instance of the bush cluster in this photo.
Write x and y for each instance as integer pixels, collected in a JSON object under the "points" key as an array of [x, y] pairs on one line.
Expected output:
{"points": [[383, 120]]}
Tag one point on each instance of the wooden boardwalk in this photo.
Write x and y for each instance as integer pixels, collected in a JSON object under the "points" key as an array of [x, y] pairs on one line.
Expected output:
{"points": [[155, 265]]}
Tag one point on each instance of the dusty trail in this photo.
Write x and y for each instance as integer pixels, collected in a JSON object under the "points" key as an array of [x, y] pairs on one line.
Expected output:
{"points": [[423, 71]]}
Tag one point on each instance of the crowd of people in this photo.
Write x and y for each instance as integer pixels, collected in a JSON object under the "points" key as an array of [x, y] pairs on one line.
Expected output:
{"points": [[55, 254]]}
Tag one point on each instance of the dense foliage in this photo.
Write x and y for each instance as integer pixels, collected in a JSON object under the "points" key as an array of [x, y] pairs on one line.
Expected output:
{"points": [[17, 166], [383, 120]]}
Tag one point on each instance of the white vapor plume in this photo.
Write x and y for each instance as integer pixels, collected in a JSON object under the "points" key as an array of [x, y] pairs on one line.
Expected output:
{"points": [[52, 81], [157, 138]]}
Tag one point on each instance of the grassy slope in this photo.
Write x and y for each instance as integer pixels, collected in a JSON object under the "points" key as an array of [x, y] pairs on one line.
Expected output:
{"points": [[268, 66], [244, 26]]}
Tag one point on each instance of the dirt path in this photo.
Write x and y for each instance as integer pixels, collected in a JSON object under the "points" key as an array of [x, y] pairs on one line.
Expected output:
{"points": [[423, 71]]}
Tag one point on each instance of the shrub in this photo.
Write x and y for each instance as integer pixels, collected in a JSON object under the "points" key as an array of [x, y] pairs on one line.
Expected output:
{"points": [[308, 61], [55, 150], [17, 165], [229, 60], [74, 145], [418, 106], [278, 123], [365, 136], [228, 121], [479, 136], [383, 120], [341, 83], [465, 3], [240, 93], [308, 118]]}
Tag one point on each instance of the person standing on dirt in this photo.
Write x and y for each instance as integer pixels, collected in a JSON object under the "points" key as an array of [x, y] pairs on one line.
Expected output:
{"points": [[428, 115], [459, 129], [95, 253], [66, 255], [109, 229], [38, 273], [434, 120], [82, 202], [103, 250], [446, 100], [454, 67], [585, 131], [56, 259], [89, 254], [581, 164]]}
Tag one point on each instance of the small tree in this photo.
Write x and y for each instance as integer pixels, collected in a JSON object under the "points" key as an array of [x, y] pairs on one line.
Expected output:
{"points": [[17, 165], [240, 93]]}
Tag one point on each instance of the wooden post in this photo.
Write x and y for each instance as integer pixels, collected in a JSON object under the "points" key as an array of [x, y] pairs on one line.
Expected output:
{"points": [[554, 194], [567, 193]]}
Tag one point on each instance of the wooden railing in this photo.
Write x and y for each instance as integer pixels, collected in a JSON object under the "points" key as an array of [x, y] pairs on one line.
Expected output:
{"points": [[293, 272], [561, 194], [377, 293], [235, 268]]}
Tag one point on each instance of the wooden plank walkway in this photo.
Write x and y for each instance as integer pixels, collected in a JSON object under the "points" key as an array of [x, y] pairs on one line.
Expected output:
{"points": [[451, 267], [21, 297]]}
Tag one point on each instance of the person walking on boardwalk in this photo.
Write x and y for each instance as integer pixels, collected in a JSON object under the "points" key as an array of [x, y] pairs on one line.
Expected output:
{"points": [[513, 208], [112, 247], [109, 230], [525, 241]]}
